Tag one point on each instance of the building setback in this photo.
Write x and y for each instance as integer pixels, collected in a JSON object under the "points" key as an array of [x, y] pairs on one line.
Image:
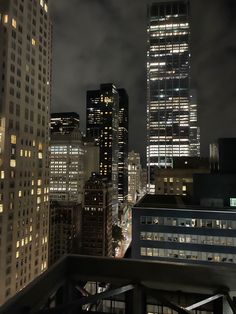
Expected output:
{"points": [[171, 127], [97, 217], [25, 93]]}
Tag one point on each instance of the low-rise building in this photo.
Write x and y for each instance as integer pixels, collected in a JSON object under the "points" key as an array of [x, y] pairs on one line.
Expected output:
{"points": [[169, 228]]}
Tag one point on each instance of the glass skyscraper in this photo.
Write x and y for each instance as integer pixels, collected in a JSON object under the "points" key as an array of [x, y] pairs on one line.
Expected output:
{"points": [[168, 84]]}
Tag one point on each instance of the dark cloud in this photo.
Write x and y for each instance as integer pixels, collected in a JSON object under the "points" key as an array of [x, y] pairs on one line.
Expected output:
{"points": [[98, 41]]}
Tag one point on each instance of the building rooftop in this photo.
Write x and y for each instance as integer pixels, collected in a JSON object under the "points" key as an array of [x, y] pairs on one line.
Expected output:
{"points": [[175, 202]]}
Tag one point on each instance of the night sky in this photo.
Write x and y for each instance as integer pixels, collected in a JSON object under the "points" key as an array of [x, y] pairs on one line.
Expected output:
{"points": [[101, 41]]}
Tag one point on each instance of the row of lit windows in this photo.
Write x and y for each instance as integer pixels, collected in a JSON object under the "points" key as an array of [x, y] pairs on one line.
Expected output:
{"points": [[188, 222], [191, 255], [188, 238]]}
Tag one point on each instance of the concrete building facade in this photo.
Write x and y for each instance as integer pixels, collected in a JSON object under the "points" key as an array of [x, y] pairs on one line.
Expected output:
{"points": [[25, 94]]}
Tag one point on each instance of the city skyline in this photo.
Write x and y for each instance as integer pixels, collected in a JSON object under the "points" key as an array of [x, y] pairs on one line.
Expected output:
{"points": [[110, 46]]}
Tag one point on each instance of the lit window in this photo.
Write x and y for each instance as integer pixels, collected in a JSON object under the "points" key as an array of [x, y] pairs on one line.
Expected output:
{"points": [[12, 163], [46, 8], [13, 23], [13, 139], [33, 42], [2, 174], [21, 152], [233, 202], [17, 244], [1, 208], [41, 3], [184, 188], [20, 193], [40, 155], [5, 19]]}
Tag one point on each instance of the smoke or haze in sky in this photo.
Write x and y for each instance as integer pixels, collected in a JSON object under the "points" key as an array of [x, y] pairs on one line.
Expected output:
{"points": [[101, 41]]}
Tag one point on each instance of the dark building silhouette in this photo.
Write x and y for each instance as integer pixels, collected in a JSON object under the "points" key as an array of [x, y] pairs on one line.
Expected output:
{"points": [[65, 226], [97, 217], [218, 188]]}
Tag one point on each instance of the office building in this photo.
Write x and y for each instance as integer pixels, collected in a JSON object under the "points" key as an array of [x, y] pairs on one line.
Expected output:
{"points": [[97, 217], [171, 116], [134, 177], [66, 164], [168, 228], [123, 146], [67, 174], [179, 179], [25, 88], [103, 126], [64, 122]]}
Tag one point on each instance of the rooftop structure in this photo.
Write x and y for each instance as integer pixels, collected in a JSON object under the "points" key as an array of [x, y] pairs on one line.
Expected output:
{"points": [[138, 285]]}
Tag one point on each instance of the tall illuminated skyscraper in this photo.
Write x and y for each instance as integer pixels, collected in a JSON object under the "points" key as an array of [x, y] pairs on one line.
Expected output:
{"points": [[25, 88], [123, 145], [168, 84], [103, 125]]}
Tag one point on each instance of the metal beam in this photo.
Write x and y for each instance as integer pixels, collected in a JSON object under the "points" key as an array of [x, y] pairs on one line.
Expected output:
{"points": [[87, 300], [231, 303], [205, 301], [160, 297]]}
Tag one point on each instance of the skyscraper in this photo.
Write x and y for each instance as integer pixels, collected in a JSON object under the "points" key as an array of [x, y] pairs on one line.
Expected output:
{"points": [[103, 124], [134, 177], [123, 145], [168, 84], [25, 88]]}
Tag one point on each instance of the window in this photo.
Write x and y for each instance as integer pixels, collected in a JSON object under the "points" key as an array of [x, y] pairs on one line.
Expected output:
{"points": [[233, 202], [13, 139], [13, 23]]}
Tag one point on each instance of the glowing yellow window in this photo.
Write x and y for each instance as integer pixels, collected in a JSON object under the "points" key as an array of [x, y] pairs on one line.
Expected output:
{"points": [[17, 244], [13, 23], [1, 208], [40, 155], [5, 19], [2, 174], [184, 188], [39, 182], [41, 3], [20, 193], [21, 152], [13, 139], [33, 42], [13, 163], [46, 8]]}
